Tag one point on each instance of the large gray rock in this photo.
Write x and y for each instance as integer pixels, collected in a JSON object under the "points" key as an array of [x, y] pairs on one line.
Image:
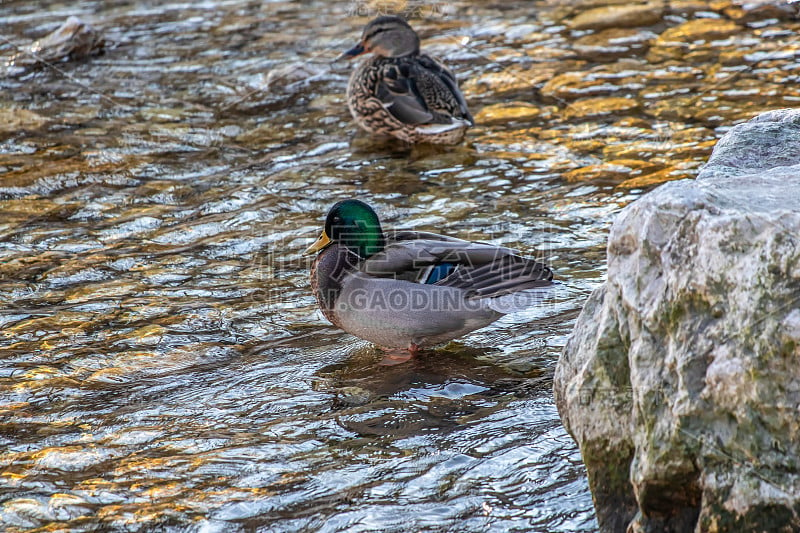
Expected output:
{"points": [[681, 380]]}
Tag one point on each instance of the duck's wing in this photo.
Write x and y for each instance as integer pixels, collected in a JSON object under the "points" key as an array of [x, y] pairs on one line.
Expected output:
{"points": [[421, 91], [413, 235], [455, 104], [506, 275], [397, 91], [481, 270]]}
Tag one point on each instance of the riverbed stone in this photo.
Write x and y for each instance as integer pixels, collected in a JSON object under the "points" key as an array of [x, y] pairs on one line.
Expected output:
{"points": [[599, 107], [686, 8], [680, 381], [12, 120], [610, 170], [613, 43], [752, 10], [516, 79], [74, 39], [695, 37], [698, 30], [582, 84], [618, 16], [508, 112]]}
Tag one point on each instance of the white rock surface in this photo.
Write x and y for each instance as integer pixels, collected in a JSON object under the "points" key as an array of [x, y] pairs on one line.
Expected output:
{"points": [[681, 380]]}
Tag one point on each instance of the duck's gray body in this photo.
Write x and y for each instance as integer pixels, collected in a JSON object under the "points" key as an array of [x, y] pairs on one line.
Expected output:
{"points": [[397, 313], [385, 298]]}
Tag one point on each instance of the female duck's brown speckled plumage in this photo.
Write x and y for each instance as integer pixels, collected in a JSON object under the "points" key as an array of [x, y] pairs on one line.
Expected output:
{"points": [[402, 92], [404, 289]]}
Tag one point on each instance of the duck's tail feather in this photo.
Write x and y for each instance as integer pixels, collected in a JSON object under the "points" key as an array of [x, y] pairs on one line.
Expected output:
{"points": [[433, 129], [508, 274]]}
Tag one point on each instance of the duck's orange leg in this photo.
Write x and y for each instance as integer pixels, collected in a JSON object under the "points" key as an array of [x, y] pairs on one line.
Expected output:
{"points": [[397, 356]]}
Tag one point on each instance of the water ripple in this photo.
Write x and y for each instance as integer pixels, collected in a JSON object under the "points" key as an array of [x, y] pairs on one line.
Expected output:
{"points": [[164, 366]]}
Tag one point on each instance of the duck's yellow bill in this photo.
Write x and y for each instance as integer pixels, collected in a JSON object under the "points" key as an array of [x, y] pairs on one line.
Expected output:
{"points": [[319, 244]]}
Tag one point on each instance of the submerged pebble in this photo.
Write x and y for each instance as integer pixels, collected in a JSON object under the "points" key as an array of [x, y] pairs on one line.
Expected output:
{"points": [[74, 39]]}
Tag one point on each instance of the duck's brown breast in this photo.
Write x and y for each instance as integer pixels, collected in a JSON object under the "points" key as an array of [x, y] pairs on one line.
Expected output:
{"points": [[327, 276]]}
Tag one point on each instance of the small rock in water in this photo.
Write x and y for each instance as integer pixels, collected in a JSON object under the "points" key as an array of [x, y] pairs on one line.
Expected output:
{"points": [[75, 39], [353, 396], [613, 43], [752, 10], [618, 16], [508, 112], [15, 119]]}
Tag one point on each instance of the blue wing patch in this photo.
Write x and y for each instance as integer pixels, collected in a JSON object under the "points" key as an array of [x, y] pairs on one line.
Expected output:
{"points": [[439, 272]]}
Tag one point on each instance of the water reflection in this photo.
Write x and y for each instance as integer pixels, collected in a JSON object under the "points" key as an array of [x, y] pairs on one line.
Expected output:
{"points": [[164, 364]]}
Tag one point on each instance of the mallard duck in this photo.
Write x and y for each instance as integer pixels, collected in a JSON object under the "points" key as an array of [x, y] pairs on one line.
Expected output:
{"points": [[402, 92], [406, 289]]}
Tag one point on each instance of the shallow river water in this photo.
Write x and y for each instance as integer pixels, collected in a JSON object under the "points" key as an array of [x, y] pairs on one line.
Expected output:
{"points": [[163, 363]]}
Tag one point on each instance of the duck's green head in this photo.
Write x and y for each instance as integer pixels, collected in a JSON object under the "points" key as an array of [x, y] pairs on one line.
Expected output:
{"points": [[353, 224]]}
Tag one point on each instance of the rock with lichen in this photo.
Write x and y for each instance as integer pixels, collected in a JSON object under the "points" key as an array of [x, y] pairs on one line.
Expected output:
{"points": [[680, 381]]}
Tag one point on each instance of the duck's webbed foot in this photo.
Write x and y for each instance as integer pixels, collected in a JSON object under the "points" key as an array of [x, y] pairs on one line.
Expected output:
{"points": [[396, 356]]}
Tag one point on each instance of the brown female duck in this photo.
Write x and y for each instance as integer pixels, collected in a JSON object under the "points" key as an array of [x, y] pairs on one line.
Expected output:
{"points": [[402, 92]]}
